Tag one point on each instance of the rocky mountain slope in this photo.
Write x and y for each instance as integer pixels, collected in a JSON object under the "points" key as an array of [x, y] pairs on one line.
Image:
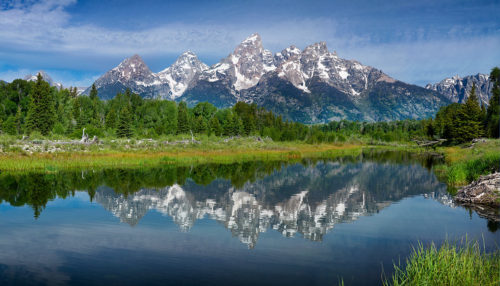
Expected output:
{"points": [[457, 89], [45, 77], [134, 74], [311, 85]]}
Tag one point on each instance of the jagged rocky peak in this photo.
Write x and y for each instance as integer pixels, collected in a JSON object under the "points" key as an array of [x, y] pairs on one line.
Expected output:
{"points": [[457, 89], [45, 76], [286, 54], [181, 73], [317, 49], [250, 61], [315, 61], [186, 61], [253, 41], [131, 73], [299, 66], [314, 84], [134, 68]]}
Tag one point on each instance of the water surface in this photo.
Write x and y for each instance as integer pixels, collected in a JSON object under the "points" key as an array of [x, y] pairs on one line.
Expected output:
{"points": [[257, 223]]}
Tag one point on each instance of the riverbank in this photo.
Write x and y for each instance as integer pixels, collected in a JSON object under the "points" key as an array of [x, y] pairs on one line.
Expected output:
{"points": [[45, 155], [462, 164]]}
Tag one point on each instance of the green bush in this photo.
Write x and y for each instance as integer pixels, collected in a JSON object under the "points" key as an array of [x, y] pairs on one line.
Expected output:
{"points": [[36, 135], [9, 126], [58, 129]]}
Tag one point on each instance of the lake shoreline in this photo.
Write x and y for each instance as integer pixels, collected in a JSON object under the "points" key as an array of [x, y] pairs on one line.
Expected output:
{"points": [[463, 164], [19, 155]]}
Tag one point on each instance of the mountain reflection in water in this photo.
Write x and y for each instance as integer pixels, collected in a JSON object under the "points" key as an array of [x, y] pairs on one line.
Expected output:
{"points": [[307, 198], [351, 219]]}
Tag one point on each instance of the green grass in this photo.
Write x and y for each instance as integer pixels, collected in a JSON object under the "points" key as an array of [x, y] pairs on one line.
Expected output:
{"points": [[465, 264], [464, 165], [136, 153]]}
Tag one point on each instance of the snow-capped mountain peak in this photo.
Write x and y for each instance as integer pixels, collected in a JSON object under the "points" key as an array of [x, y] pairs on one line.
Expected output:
{"points": [[457, 89], [250, 62], [253, 39], [244, 67], [317, 48], [134, 68], [331, 87], [45, 77], [181, 73]]}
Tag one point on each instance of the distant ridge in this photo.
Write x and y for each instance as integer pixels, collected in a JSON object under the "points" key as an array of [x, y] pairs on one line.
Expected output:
{"points": [[457, 89], [45, 77]]}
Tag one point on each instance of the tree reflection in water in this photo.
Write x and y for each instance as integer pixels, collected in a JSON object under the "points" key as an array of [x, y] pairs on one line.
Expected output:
{"points": [[308, 197]]}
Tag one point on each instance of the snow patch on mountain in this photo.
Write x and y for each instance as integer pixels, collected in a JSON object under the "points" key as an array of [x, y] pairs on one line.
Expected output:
{"points": [[45, 77], [180, 74], [243, 69], [457, 89]]}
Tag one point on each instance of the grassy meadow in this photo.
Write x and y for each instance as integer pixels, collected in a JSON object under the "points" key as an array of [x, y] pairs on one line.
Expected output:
{"points": [[143, 153], [463, 163]]}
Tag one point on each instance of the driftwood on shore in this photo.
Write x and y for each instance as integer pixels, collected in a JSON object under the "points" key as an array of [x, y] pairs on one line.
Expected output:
{"points": [[429, 143], [483, 196]]}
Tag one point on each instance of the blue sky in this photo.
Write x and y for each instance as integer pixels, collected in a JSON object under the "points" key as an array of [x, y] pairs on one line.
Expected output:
{"points": [[414, 41]]}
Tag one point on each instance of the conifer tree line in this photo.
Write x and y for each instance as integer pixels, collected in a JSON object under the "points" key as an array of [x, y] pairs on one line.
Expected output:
{"points": [[27, 107], [463, 122]]}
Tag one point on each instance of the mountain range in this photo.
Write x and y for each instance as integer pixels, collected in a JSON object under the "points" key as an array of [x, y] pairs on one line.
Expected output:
{"points": [[312, 85]]}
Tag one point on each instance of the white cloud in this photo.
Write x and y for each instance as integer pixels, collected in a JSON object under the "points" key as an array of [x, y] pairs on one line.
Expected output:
{"points": [[46, 27]]}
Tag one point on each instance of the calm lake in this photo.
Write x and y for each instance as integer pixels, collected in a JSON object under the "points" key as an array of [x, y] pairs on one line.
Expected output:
{"points": [[258, 223]]}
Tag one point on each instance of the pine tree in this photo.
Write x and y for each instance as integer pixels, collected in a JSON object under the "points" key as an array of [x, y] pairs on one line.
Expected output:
{"points": [[469, 118], [111, 118], [124, 124], [182, 119], [73, 92], [93, 93], [493, 111], [76, 113], [483, 117], [95, 105], [215, 127], [429, 128], [41, 112], [200, 124], [18, 119], [228, 125], [9, 125], [238, 126]]}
